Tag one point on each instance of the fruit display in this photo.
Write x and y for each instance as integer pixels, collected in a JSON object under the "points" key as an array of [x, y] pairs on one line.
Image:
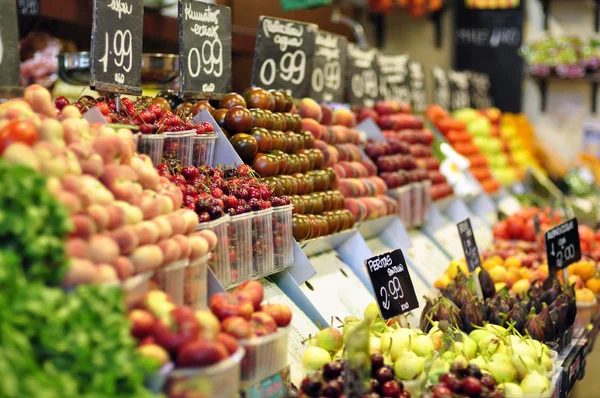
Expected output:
{"points": [[415, 9], [467, 381], [463, 141]]}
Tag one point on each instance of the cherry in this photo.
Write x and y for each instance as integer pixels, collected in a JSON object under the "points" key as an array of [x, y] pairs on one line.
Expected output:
{"points": [[375, 385], [164, 168], [189, 173], [215, 212], [191, 206], [244, 170], [178, 179], [254, 193], [376, 358], [254, 204], [231, 211], [332, 389], [147, 116], [265, 192], [451, 381], [390, 388], [240, 209], [147, 129], [265, 204], [488, 381], [384, 374], [332, 370], [208, 128], [312, 386], [243, 194], [189, 200], [440, 391], [471, 386], [216, 192], [103, 108], [61, 102], [233, 201], [474, 371]]}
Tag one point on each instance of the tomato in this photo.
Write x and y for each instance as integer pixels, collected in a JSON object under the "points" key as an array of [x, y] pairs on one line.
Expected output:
{"points": [[22, 131]]}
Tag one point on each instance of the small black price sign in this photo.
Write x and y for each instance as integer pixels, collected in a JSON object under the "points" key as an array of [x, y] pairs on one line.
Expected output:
{"points": [[460, 97], [9, 45], [418, 94], [329, 68], [391, 282], [116, 56], [204, 48], [394, 77], [362, 84], [283, 55], [29, 8], [441, 85], [562, 245], [467, 238]]}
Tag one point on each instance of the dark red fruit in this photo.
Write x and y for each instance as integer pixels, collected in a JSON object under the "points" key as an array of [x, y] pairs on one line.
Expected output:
{"points": [[61, 102], [384, 374], [238, 120], [189, 173], [488, 381], [376, 361], [471, 386]]}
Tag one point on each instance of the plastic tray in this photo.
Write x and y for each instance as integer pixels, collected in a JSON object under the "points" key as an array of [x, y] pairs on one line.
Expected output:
{"points": [[179, 145], [136, 287], [195, 290], [204, 149], [264, 357], [262, 242], [415, 387], [152, 145], [170, 279], [585, 312], [218, 381], [283, 249], [240, 249], [219, 260]]}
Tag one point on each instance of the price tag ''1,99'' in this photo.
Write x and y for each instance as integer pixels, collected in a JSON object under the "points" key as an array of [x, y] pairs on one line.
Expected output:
{"points": [[283, 55], [116, 56], [391, 282]]}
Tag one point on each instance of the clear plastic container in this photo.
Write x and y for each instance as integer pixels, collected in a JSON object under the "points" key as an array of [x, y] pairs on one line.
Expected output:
{"points": [[553, 355], [136, 139], [429, 361], [416, 202], [152, 145], [240, 249], [415, 387], [136, 287], [402, 196], [283, 249], [179, 145], [195, 289], [171, 278], [262, 242], [585, 312], [204, 149], [264, 357], [426, 199], [221, 380], [219, 260]]}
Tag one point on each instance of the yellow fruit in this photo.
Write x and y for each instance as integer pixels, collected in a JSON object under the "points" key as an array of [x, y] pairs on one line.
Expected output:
{"points": [[453, 269], [593, 284], [521, 286], [442, 282], [584, 269], [499, 286], [498, 273], [584, 295], [513, 262]]}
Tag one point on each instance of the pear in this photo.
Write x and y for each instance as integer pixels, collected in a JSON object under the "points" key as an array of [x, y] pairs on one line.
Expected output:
{"points": [[503, 372], [526, 365], [490, 345], [535, 383], [478, 334], [409, 366], [435, 335], [510, 389], [314, 358], [400, 342], [371, 312], [479, 361], [547, 363], [374, 344], [378, 326], [386, 342], [461, 359], [330, 339], [469, 347], [496, 329], [422, 346]]}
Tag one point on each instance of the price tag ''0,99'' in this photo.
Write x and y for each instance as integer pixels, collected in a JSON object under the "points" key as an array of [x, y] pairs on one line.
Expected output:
{"points": [[116, 56]]}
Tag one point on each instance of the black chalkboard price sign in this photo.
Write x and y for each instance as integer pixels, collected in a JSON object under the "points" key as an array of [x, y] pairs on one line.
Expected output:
{"points": [[460, 97], [562, 245], [418, 94], [391, 282], [394, 78], [329, 68], [9, 48], [362, 84], [116, 56], [441, 87], [465, 231], [204, 49], [28, 8], [283, 55], [479, 84]]}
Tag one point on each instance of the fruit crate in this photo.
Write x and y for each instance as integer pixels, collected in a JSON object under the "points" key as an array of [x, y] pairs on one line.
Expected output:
{"points": [[204, 149], [264, 357], [221, 380], [283, 248], [179, 146], [262, 242], [152, 145], [219, 260], [195, 288], [240, 248], [170, 279], [402, 197]]}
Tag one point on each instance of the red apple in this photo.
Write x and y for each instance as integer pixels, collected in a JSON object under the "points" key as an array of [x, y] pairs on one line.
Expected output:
{"points": [[237, 327], [142, 323], [254, 290], [229, 342], [224, 305], [281, 313], [154, 351], [262, 324], [176, 329], [209, 324], [199, 353], [147, 340]]}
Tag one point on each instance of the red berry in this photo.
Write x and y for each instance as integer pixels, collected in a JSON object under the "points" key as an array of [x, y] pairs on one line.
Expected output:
{"points": [[61, 102], [208, 128], [440, 391], [147, 117], [178, 179], [156, 110], [163, 168], [471, 386], [199, 129], [147, 129], [390, 388], [103, 108], [189, 173], [233, 201]]}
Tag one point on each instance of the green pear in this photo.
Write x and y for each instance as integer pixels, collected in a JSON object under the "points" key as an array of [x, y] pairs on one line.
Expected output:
{"points": [[526, 365], [314, 358], [496, 329], [479, 361], [409, 366], [386, 342], [330, 339], [491, 344], [502, 371], [478, 334], [400, 342], [371, 312], [469, 347], [510, 389], [422, 346], [374, 344], [535, 383], [547, 363], [378, 326], [461, 359]]}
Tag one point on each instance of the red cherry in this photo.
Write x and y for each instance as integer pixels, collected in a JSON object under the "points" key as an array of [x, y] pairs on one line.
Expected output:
{"points": [[163, 168], [103, 108], [233, 201], [265, 192], [199, 129], [61, 102], [471, 386], [178, 179], [208, 128], [254, 193], [189, 173], [156, 110], [216, 192]]}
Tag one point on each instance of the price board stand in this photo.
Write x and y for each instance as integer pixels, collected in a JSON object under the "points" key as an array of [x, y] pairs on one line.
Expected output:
{"points": [[562, 247], [467, 238]]}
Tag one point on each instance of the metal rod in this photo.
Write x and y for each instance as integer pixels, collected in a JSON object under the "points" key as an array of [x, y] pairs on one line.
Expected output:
{"points": [[357, 28], [118, 102]]}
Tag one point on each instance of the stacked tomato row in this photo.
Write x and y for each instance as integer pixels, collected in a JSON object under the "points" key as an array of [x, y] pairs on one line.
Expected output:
{"points": [[407, 156], [267, 133], [364, 192], [461, 140]]}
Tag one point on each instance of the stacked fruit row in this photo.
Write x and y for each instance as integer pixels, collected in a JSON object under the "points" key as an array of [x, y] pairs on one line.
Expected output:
{"points": [[364, 192], [460, 138]]}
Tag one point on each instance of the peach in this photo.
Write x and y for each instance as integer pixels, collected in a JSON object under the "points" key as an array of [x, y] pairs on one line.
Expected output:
{"points": [[124, 268], [331, 155], [146, 258], [147, 175], [40, 100], [126, 238], [72, 163], [91, 163], [119, 180], [116, 216], [76, 248], [191, 220], [174, 194], [100, 215], [198, 247], [71, 131], [69, 200], [18, 153], [164, 227], [170, 249], [133, 214], [70, 112], [344, 117], [105, 273], [348, 188], [357, 208], [166, 204], [148, 232], [340, 171], [327, 115], [102, 249], [313, 127], [92, 191], [177, 223], [310, 109], [210, 236], [79, 272], [326, 134], [110, 148], [184, 246], [150, 205], [83, 226], [51, 130], [340, 133]]}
